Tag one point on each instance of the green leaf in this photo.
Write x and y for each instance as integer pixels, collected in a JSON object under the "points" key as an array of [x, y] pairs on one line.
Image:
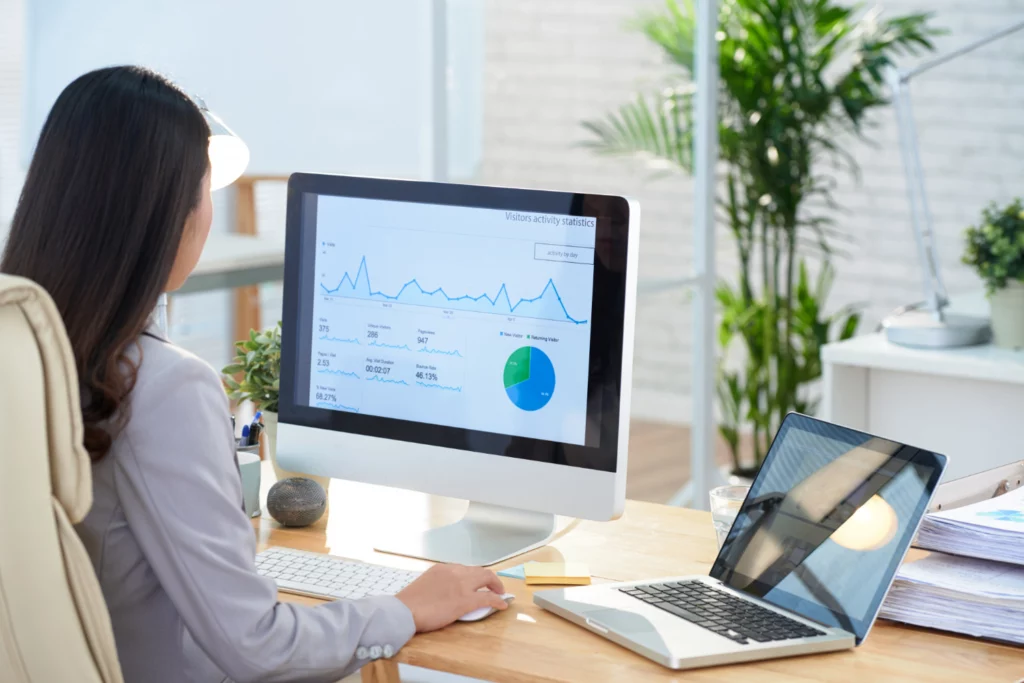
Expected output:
{"points": [[655, 127], [850, 327], [258, 361]]}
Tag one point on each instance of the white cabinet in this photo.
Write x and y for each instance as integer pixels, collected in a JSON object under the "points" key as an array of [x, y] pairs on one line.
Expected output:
{"points": [[965, 403]]}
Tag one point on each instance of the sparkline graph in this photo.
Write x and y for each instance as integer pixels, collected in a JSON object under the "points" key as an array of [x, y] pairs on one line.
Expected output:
{"points": [[336, 406], [339, 373], [377, 378], [439, 352], [339, 340], [443, 387], [396, 347], [547, 305]]}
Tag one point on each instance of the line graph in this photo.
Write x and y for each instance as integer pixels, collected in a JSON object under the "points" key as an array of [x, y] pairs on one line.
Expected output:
{"points": [[339, 373], [377, 378], [547, 305], [425, 385], [338, 340], [439, 352], [396, 347], [336, 406]]}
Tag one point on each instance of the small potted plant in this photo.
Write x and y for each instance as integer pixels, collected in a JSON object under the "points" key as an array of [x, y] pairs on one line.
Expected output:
{"points": [[258, 361], [996, 250]]}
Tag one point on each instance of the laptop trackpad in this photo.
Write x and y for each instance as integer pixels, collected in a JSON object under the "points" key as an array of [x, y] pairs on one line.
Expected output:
{"points": [[626, 623]]}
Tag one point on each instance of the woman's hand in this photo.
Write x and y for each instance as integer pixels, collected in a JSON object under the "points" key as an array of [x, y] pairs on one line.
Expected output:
{"points": [[446, 592]]}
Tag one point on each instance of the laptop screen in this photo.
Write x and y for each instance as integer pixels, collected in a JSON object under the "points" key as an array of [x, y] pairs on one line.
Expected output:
{"points": [[827, 522]]}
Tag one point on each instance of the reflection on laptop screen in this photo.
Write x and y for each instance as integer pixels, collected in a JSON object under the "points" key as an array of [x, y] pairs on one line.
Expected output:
{"points": [[827, 521]]}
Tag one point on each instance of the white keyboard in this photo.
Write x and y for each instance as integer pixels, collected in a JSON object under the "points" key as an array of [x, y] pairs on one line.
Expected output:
{"points": [[325, 576]]}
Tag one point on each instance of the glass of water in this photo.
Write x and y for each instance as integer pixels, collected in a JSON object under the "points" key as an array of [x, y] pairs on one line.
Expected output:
{"points": [[725, 504]]}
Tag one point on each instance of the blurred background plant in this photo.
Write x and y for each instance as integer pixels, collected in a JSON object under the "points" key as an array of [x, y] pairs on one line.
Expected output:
{"points": [[797, 77], [995, 247]]}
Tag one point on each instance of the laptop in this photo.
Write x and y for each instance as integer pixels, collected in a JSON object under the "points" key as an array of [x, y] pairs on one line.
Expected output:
{"points": [[804, 568]]}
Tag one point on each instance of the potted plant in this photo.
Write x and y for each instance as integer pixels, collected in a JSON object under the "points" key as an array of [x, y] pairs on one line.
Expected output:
{"points": [[996, 250], [797, 79], [258, 364]]}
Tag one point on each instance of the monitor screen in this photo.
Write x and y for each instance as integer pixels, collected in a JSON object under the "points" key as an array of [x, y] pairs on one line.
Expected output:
{"points": [[827, 521], [484, 319], [417, 305]]}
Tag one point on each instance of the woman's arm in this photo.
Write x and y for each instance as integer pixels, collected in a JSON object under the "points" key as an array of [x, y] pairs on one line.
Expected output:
{"points": [[182, 497]]}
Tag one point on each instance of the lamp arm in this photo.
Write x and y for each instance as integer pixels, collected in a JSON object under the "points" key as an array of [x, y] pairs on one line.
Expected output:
{"points": [[970, 47], [936, 297]]}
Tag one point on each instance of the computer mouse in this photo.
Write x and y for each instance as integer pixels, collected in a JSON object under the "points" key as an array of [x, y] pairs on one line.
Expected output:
{"points": [[484, 612]]}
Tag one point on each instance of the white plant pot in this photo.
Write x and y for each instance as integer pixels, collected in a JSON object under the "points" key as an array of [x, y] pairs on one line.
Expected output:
{"points": [[1008, 315], [270, 430]]}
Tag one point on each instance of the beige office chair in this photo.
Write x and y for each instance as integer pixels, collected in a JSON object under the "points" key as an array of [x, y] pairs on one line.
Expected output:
{"points": [[54, 624]]}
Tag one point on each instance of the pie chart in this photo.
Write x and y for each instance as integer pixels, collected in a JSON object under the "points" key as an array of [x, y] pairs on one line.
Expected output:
{"points": [[529, 378]]}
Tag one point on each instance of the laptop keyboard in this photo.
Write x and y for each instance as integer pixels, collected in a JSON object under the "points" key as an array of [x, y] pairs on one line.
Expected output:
{"points": [[739, 620]]}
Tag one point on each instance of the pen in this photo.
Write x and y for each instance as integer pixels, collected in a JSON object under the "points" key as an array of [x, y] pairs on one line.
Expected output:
{"points": [[245, 436], [253, 434]]}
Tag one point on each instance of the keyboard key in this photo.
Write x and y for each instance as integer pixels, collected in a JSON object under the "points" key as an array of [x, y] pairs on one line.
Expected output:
{"points": [[679, 611], [330, 577], [299, 586], [722, 613]]}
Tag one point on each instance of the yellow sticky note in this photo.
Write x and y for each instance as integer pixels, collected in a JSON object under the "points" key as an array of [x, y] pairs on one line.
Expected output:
{"points": [[557, 573]]}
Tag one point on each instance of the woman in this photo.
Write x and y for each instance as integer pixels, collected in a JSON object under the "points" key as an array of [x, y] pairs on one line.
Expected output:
{"points": [[115, 210]]}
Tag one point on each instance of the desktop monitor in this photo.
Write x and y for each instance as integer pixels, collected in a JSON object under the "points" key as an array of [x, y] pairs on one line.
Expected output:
{"points": [[465, 341]]}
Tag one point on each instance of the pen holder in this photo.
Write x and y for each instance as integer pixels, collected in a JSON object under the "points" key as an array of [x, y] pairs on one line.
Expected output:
{"points": [[249, 467]]}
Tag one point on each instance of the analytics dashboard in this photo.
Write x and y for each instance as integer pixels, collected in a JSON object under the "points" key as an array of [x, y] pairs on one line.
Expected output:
{"points": [[474, 318]]}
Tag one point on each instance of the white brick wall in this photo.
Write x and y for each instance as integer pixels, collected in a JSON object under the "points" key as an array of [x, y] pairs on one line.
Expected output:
{"points": [[551, 64]]}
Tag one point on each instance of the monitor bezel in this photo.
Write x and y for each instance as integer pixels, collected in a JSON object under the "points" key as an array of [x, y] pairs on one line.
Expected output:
{"points": [[616, 415]]}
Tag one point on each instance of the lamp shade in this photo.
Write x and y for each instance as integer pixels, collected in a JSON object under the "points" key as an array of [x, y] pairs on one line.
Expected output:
{"points": [[229, 155], [872, 526]]}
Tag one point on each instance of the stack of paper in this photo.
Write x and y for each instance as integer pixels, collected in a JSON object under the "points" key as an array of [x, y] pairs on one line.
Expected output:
{"points": [[992, 529], [965, 595]]}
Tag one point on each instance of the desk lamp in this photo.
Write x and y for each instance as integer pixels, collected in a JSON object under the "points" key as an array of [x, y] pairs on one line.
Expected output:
{"points": [[229, 155], [927, 324]]}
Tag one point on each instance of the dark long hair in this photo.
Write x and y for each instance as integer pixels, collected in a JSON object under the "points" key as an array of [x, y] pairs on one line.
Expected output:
{"points": [[118, 169]]}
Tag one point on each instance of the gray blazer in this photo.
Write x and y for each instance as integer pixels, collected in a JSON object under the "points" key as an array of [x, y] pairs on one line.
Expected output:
{"points": [[174, 551]]}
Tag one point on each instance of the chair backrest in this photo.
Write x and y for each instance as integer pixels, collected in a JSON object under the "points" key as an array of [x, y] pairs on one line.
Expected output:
{"points": [[54, 625]]}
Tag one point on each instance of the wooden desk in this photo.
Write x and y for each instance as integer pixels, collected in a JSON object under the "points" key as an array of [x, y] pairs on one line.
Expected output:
{"points": [[528, 644]]}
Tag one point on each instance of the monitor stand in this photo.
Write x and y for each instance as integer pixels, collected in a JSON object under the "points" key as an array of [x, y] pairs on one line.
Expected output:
{"points": [[487, 534]]}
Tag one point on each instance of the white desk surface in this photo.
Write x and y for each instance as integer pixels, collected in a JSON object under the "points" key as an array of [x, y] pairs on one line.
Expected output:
{"points": [[226, 252], [974, 362]]}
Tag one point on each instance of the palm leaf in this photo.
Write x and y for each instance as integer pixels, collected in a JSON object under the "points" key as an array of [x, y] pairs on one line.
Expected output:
{"points": [[654, 127], [674, 31]]}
